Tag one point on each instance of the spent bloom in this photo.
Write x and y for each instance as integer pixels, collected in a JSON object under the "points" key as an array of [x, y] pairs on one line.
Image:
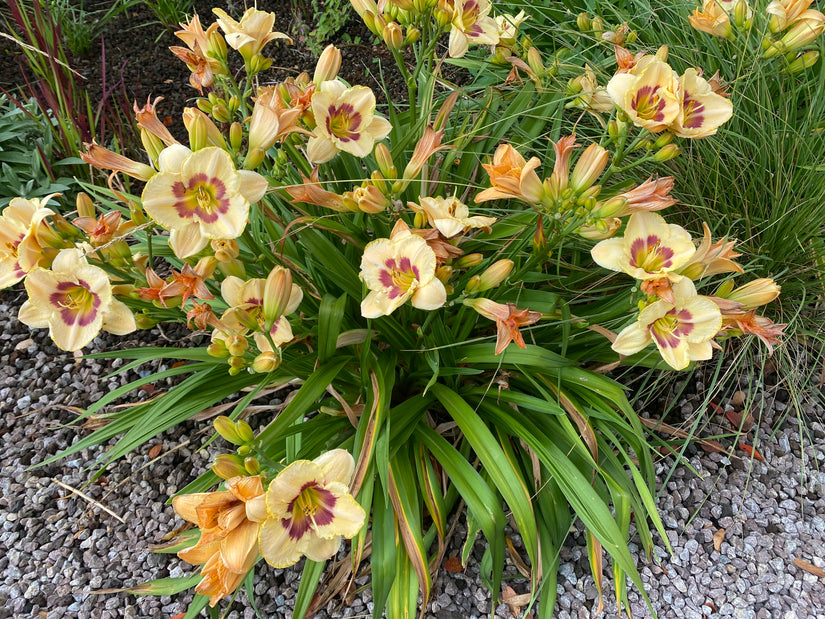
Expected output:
{"points": [[19, 218], [229, 521], [508, 320], [450, 216], [682, 330], [74, 300], [471, 24], [711, 258], [309, 510], [200, 196], [399, 268], [650, 248]]}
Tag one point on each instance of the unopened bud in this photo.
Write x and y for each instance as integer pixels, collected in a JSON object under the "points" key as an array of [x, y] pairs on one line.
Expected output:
{"points": [[597, 25], [534, 61], [221, 113], [217, 349], [413, 34], [142, 321], [663, 140], [613, 129], [204, 105], [252, 465], [393, 36], [236, 136], [473, 285], [420, 220], [277, 290], [225, 249], [237, 363], [227, 466], [265, 363], [444, 273], [495, 274], [328, 65], [384, 160], [244, 431], [85, 206], [740, 13], [254, 158], [236, 345], [198, 132], [227, 429], [662, 53], [468, 260], [671, 151], [611, 207], [583, 22], [233, 104], [806, 60]]}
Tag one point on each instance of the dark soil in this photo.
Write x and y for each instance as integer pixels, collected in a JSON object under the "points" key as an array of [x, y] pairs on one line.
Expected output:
{"points": [[134, 47]]}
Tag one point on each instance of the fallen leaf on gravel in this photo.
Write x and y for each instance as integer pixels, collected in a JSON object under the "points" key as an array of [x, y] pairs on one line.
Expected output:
{"points": [[710, 605], [453, 565], [751, 451], [718, 538], [736, 420], [24, 344], [153, 453], [513, 600], [809, 567]]}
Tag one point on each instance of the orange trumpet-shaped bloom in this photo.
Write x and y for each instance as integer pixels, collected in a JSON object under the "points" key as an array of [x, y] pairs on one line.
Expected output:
{"points": [[508, 320]]}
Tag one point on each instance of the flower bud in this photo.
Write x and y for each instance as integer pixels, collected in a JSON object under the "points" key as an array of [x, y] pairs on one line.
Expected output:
{"points": [[265, 363], [740, 13], [277, 290], [534, 61], [597, 25], [143, 321], [393, 36], [589, 167], [468, 260], [803, 31], [495, 274], [611, 207], [252, 465], [753, 294], [227, 466], [221, 113], [384, 160], [444, 273], [217, 349], [236, 136], [413, 34], [663, 140], [237, 363], [601, 229], [85, 206], [583, 22], [805, 61], [233, 105], [254, 158], [236, 345], [227, 429], [662, 53], [328, 65], [671, 151], [197, 132], [225, 249], [244, 431], [204, 105], [473, 285], [233, 267]]}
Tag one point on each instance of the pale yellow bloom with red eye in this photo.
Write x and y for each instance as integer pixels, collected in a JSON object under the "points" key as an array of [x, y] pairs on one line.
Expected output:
{"points": [[648, 94], [252, 33], [702, 111], [200, 196], [682, 330], [650, 248], [16, 223], [512, 177], [345, 121], [471, 25], [399, 268], [310, 510], [246, 300], [229, 521], [450, 216], [74, 300]]}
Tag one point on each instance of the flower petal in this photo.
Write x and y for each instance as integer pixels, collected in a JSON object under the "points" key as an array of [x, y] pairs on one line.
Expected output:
{"points": [[431, 296], [276, 546], [118, 319], [337, 465], [238, 548], [632, 339], [320, 549]]}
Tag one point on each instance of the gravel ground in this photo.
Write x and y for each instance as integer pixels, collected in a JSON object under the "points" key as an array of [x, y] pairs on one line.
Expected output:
{"points": [[56, 547]]}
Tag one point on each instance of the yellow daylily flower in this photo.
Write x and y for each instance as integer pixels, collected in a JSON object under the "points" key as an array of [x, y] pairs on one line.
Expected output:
{"points": [[399, 268], [200, 196], [19, 220], [309, 510], [471, 24], [450, 216], [702, 111], [786, 12], [648, 93], [345, 121], [252, 33], [682, 330], [74, 300], [229, 521], [650, 248]]}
